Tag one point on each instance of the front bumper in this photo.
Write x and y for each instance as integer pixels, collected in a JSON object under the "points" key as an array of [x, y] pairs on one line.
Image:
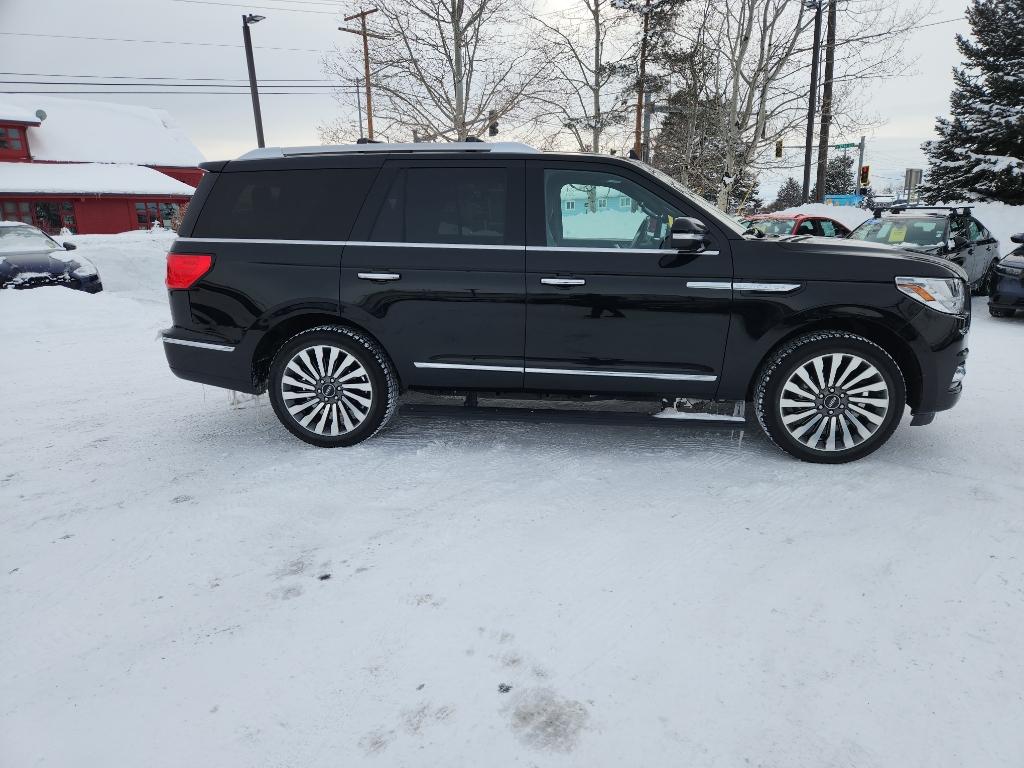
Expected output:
{"points": [[941, 349], [1007, 291]]}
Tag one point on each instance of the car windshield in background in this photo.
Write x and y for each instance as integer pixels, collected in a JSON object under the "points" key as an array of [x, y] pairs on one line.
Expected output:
{"points": [[14, 239], [774, 226], [928, 232], [707, 208]]}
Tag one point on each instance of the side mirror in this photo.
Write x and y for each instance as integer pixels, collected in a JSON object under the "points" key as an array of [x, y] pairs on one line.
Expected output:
{"points": [[1018, 238], [69, 246], [688, 234]]}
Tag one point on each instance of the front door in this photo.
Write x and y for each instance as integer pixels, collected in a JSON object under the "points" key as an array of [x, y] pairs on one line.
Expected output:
{"points": [[983, 250], [611, 307], [435, 267]]}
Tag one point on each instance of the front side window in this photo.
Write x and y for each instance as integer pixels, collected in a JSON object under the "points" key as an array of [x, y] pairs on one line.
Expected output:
{"points": [[978, 233], [595, 209], [445, 205], [806, 227], [828, 229]]}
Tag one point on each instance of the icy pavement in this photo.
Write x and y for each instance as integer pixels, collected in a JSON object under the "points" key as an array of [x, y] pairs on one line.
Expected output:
{"points": [[184, 584]]}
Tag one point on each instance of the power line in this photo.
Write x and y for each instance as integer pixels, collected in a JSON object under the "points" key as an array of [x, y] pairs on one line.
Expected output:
{"points": [[172, 77], [149, 85], [260, 7], [175, 93], [157, 42]]}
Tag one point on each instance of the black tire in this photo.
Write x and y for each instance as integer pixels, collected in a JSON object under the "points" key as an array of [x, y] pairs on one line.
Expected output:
{"points": [[996, 312], [848, 421], [311, 375]]}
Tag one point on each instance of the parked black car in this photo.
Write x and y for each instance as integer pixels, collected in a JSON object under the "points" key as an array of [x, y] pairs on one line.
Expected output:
{"points": [[950, 233], [335, 277], [29, 258], [1007, 282]]}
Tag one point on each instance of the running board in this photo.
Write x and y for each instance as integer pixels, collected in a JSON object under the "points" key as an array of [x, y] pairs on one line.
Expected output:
{"points": [[664, 419]]}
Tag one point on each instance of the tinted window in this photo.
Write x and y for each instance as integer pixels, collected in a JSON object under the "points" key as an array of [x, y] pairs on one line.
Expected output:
{"points": [[806, 227], [828, 229], [591, 209], [285, 205], [445, 205], [978, 232]]}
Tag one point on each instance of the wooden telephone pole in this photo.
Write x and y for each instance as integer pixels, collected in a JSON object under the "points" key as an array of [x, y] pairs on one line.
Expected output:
{"points": [[366, 35]]}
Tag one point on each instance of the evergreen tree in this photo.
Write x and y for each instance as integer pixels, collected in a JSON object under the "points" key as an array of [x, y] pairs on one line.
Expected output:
{"points": [[980, 152], [838, 177], [790, 195]]}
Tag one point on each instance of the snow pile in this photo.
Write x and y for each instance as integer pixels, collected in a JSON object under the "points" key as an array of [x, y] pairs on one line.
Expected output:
{"points": [[13, 113], [130, 263], [78, 130], [88, 178]]}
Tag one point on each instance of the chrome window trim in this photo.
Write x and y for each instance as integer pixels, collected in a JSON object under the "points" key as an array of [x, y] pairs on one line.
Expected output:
{"points": [[199, 344], [577, 249]]}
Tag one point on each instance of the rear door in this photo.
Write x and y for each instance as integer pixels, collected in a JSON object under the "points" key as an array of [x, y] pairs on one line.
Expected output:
{"points": [[611, 307], [435, 271], [985, 247]]}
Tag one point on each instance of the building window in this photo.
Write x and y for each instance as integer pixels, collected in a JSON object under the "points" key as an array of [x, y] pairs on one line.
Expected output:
{"points": [[51, 216], [570, 205], [13, 145], [150, 213]]}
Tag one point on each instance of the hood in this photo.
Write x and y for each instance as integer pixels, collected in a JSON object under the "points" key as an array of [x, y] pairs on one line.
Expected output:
{"points": [[53, 262], [1014, 258], [834, 258]]}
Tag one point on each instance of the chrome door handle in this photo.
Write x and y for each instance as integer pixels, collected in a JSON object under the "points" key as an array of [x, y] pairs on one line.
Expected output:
{"points": [[378, 276], [562, 281]]}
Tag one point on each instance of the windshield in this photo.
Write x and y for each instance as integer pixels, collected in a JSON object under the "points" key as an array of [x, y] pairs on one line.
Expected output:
{"points": [[774, 226], [927, 232], [692, 197], [24, 239]]}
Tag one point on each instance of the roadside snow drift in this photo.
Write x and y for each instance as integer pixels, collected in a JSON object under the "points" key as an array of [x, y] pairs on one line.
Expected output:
{"points": [[184, 584]]}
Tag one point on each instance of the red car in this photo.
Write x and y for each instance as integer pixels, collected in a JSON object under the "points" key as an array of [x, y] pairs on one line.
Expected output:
{"points": [[796, 224]]}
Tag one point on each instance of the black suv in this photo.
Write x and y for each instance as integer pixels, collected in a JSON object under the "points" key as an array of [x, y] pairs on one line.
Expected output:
{"points": [[337, 277], [948, 232]]}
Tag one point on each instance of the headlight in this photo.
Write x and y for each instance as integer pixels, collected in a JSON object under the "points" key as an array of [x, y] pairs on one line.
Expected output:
{"points": [[942, 294], [85, 269]]}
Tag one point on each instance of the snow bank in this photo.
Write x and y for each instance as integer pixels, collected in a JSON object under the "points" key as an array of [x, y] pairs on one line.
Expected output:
{"points": [[131, 263], [88, 178]]}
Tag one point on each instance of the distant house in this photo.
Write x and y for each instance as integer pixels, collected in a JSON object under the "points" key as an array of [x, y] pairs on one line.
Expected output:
{"points": [[92, 167]]}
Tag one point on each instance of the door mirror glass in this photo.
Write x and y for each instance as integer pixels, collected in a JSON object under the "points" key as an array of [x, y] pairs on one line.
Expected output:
{"points": [[688, 234], [69, 246]]}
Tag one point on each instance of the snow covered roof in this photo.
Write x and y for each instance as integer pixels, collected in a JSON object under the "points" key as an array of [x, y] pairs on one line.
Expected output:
{"points": [[87, 178], [13, 113], [76, 130]]}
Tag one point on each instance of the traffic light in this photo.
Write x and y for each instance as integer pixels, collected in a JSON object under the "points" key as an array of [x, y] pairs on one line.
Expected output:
{"points": [[778, 148], [492, 123], [865, 175]]}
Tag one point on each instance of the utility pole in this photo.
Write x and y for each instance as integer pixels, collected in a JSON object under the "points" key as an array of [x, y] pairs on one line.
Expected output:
{"points": [[812, 98], [248, 20], [362, 32], [641, 84], [648, 108], [860, 164], [826, 99]]}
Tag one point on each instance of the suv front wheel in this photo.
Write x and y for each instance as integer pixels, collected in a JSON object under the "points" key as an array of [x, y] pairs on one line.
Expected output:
{"points": [[830, 397], [332, 386]]}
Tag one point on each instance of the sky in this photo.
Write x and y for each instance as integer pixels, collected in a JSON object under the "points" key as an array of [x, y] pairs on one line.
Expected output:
{"points": [[199, 39]]}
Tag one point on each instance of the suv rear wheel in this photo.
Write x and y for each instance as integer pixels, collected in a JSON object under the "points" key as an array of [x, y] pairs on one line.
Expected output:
{"points": [[332, 386], [830, 397]]}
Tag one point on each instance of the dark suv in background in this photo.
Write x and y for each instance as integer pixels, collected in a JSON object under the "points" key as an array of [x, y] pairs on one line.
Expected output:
{"points": [[336, 277]]}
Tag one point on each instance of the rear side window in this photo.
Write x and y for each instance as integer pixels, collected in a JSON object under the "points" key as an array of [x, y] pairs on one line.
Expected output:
{"points": [[445, 205], [317, 204]]}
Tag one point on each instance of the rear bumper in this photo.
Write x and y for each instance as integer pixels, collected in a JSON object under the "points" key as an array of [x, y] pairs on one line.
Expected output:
{"points": [[209, 361], [1007, 292]]}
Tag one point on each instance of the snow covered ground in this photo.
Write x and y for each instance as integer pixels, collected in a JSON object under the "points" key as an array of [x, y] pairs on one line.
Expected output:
{"points": [[507, 593]]}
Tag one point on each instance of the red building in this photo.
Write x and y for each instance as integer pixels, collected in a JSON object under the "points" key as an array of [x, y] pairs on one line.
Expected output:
{"points": [[92, 167]]}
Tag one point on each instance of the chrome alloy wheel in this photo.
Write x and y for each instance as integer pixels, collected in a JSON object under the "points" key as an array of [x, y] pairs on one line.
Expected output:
{"points": [[326, 390], [834, 402]]}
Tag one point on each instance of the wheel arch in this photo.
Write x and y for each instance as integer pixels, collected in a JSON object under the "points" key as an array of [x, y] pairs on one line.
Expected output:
{"points": [[287, 327], [897, 347]]}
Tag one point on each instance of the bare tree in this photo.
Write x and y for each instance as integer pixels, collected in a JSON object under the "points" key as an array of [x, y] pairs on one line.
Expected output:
{"points": [[445, 68], [586, 67]]}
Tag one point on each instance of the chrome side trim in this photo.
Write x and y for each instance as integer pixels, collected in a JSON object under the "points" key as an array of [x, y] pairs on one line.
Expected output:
{"points": [[569, 372], [469, 367], [767, 287], [378, 276], [562, 281], [711, 285], [460, 246], [557, 248], [258, 241], [200, 344], [625, 374]]}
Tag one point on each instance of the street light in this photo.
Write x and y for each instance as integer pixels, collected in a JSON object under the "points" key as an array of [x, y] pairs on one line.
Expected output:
{"points": [[248, 20]]}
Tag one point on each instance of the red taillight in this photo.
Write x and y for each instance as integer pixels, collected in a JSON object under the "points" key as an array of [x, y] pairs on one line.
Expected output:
{"points": [[183, 269]]}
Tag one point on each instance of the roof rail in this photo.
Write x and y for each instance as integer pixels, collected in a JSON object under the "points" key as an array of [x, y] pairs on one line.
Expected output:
{"points": [[266, 153], [964, 210]]}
